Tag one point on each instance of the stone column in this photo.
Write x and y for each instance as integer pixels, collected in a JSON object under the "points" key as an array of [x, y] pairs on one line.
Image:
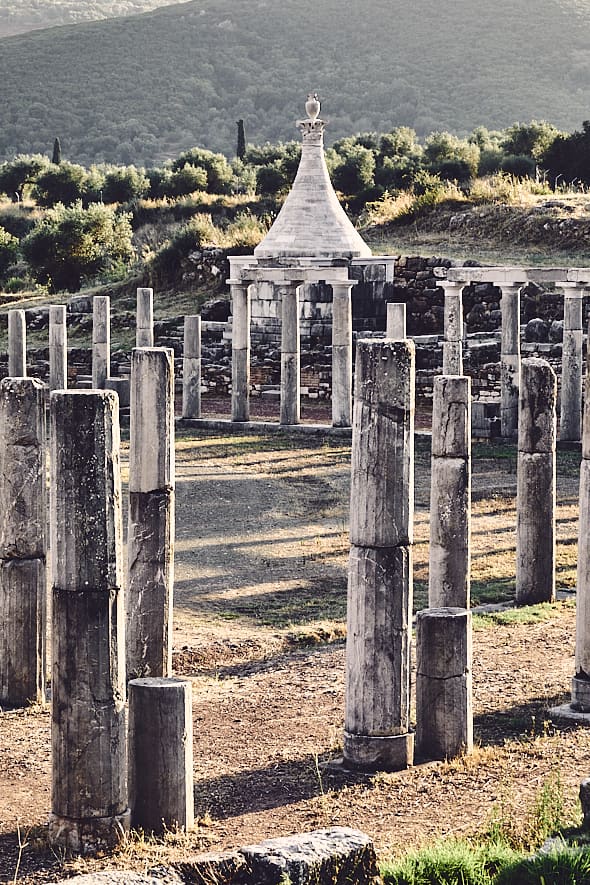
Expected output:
{"points": [[17, 344], [396, 321], [191, 368], [342, 353], [377, 724], [101, 340], [58, 347], [535, 497], [453, 339], [23, 579], [150, 536], [240, 378], [510, 360], [450, 493], [89, 771], [444, 709], [161, 754], [571, 364], [144, 335], [581, 679], [290, 354]]}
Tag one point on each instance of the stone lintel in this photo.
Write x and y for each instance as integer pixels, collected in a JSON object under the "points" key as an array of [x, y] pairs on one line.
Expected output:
{"points": [[516, 276]]}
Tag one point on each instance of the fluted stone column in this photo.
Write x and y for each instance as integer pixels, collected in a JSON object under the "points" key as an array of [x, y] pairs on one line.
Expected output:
{"points": [[342, 354], [161, 754], [240, 381], [17, 344], [395, 329], [89, 736], [571, 365], [101, 340], [453, 337], [191, 368], [23, 505], [150, 537], [290, 354], [58, 347], [535, 498], [377, 726], [444, 706], [581, 679], [450, 495], [510, 359], [144, 334]]}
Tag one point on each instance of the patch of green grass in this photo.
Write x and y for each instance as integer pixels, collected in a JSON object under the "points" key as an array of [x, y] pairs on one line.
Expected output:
{"points": [[450, 862], [526, 614]]}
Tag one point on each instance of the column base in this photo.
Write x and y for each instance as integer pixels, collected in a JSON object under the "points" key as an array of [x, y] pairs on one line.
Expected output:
{"points": [[581, 694], [378, 753], [89, 835]]}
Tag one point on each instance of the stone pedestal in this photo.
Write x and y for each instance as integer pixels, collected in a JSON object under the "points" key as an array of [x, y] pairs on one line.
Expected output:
{"points": [[377, 729], [395, 329], [191, 368], [23, 504], [444, 713], [450, 495], [101, 340], [161, 754], [89, 745], [17, 344], [290, 355], [342, 354], [453, 337], [58, 348], [240, 384], [144, 335], [535, 499], [571, 365], [151, 513], [510, 359]]}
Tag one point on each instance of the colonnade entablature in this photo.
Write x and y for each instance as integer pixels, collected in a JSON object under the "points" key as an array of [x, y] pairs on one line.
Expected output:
{"points": [[514, 276]]}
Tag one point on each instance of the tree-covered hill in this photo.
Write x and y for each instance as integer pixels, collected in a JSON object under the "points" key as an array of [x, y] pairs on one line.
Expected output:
{"points": [[20, 16], [142, 88]]}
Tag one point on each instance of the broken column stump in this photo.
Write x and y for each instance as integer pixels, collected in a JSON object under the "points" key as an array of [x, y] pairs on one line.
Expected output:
{"points": [[377, 728], [17, 344], [450, 492], [395, 329], [342, 354], [89, 736], [191, 368], [144, 332], [240, 351], [58, 347], [290, 355], [101, 340], [161, 754], [150, 536], [444, 712], [535, 494], [23, 519]]}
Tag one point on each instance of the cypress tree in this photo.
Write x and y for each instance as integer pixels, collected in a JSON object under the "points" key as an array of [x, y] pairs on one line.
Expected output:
{"points": [[241, 148], [56, 158]]}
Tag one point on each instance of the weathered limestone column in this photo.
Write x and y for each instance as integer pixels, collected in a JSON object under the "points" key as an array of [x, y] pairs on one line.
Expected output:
{"points": [[191, 368], [290, 354], [395, 329], [23, 509], [444, 709], [571, 364], [58, 347], [581, 679], [240, 378], [450, 493], [535, 497], [453, 339], [510, 359], [89, 771], [342, 353], [377, 717], [150, 536], [101, 340], [17, 344], [144, 333], [161, 754]]}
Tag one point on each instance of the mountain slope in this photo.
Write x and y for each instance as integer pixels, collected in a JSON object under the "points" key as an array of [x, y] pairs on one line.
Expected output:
{"points": [[142, 88]]}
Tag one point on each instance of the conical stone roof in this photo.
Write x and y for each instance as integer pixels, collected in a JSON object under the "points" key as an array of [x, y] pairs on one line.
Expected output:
{"points": [[312, 223]]}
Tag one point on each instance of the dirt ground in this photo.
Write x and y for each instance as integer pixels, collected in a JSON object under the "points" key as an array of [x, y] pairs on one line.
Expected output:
{"points": [[260, 604]]}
